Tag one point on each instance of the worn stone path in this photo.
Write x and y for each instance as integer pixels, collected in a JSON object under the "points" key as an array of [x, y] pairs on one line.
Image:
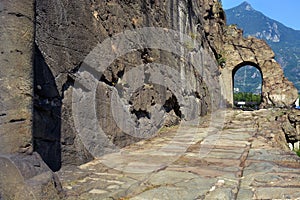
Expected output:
{"points": [[237, 159]]}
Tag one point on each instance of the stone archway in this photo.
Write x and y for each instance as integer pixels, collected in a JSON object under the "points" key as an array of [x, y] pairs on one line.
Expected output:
{"points": [[276, 90], [247, 82]]}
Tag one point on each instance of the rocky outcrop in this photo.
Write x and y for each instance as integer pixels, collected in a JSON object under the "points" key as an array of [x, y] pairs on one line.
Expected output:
{"points": [[23, 174], [286, 122], [67, 33], [291, 128], [110, 73], [105, 74], [27, 177]]}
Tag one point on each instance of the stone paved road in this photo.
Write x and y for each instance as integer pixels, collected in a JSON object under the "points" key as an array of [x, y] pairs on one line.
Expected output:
{"points": [[237, 159]]}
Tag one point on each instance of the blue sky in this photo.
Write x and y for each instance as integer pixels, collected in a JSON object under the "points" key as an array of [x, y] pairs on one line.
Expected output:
{"points": [[285, 11]]}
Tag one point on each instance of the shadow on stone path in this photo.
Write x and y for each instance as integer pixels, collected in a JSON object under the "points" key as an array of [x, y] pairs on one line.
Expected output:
{"points": [[242, 162]]}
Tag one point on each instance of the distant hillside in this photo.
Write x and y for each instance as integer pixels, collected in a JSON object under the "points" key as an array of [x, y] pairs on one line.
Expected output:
{"points": [[247, 79], [283, 40]]}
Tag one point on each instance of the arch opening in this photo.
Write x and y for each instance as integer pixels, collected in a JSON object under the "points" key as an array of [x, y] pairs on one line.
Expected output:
{"points": [[247, 86]]}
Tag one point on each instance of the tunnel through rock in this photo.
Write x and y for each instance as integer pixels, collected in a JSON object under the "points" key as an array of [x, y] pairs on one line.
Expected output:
{"points": [[247, 86]]}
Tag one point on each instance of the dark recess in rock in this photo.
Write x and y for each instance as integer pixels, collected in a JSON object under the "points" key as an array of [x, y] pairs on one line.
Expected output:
{"points": [[141, 113], [16, 120], [172, 104], [46, 114]]}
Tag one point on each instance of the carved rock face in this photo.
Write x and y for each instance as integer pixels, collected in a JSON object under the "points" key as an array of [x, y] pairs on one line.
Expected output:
{"points": [[68, 31]]}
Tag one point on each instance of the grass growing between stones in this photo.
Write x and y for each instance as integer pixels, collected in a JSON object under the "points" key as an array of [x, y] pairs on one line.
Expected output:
{"points": [[297, 152], [164, 129]]}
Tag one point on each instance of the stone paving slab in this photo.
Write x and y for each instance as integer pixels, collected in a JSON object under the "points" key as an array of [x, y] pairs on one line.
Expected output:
{"points": [[234, 162]]}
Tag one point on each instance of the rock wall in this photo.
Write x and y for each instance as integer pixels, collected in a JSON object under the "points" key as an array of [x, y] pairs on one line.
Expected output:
{"points": [[55, 95], [66, 34], [173, 69], [16, 77], [23, 174]]}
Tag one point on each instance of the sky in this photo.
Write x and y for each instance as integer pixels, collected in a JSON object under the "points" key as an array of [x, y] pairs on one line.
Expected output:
{"points": [[285, 11]]}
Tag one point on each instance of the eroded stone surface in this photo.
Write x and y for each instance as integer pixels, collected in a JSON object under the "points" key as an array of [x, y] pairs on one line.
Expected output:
{"points": [[67, 32], [242, 163], [16, 77], [27, 177]]}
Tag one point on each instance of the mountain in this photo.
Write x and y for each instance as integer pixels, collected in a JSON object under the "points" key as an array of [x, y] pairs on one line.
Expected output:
{"points": [[248, 79], [284, 41]]}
